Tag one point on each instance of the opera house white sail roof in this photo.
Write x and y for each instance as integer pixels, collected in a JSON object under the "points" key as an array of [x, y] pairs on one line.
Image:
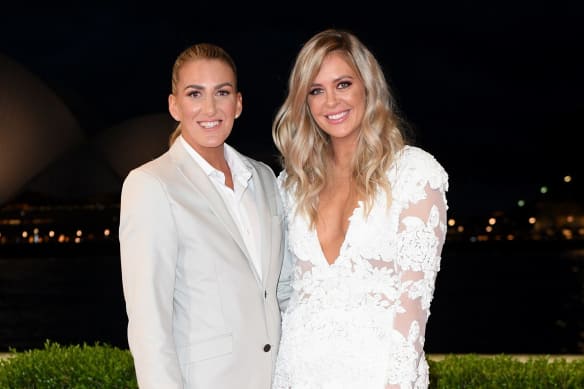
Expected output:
{"points": [[44, 150]]}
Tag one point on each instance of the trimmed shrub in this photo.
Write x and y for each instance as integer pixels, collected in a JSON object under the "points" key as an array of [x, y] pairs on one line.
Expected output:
{"points": [[105, 367], [80, 367], [505, 371]]}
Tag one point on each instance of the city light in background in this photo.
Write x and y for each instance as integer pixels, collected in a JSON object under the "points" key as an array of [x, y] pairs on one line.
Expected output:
{"points": [[554, 214]]}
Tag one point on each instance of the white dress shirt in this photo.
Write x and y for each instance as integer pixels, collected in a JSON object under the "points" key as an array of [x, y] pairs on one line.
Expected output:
{"points": [[241, 201]]}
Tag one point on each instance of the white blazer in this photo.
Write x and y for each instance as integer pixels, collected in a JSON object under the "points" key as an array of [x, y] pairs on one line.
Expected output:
{"points": [[198, 314]]}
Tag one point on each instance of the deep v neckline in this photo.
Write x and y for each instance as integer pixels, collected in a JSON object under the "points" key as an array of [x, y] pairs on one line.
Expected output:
{"points": [[343, 242]]}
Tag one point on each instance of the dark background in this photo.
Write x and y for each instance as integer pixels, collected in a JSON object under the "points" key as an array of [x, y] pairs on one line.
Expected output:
{"points": [[492, 89]]}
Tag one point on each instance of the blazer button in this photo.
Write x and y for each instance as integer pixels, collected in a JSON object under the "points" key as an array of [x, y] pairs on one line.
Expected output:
{"points": [[267, 347]]}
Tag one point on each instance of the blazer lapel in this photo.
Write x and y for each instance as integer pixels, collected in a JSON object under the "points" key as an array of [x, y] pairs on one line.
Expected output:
{"points": [[202, 184]]}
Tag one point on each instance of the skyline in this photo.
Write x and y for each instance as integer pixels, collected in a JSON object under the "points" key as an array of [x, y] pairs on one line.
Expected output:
{"points": [[493, 91]]}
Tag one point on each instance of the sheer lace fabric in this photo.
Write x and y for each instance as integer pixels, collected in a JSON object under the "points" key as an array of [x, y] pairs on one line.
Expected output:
{"points": [[360, 322]]}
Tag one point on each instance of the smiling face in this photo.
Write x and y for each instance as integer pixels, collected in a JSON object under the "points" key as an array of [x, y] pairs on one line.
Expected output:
{"points": [[336, 98], [206, 103]]}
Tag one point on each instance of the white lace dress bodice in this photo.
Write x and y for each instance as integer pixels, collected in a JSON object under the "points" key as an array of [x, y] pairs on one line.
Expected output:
{"points": [[359, 323]]}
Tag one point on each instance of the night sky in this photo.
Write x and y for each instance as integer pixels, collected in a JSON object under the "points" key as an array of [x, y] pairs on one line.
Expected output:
{"points": [[493, 90]]}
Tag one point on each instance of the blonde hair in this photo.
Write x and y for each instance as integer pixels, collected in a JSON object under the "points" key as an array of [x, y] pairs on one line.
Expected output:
{"points": [[198, 51], [305, 149]]}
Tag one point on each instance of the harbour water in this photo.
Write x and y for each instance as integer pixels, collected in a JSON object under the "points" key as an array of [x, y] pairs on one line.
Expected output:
{"points": [[514, 297], [490, 298]]}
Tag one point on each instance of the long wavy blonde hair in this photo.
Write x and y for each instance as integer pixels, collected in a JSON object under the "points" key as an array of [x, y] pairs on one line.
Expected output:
{"points": [[306, 150], [198, 51]]}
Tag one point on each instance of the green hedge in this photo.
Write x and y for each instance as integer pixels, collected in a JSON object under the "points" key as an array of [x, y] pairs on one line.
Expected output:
{"points": [[59, 367], [102, 366], [505, 371]]}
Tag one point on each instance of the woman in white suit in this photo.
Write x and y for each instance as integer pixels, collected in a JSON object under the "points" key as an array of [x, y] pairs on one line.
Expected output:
{"points": [[201, 239]]}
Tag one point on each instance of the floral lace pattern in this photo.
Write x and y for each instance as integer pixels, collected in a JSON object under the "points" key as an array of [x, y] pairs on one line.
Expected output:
{"points": [[360, 322]]}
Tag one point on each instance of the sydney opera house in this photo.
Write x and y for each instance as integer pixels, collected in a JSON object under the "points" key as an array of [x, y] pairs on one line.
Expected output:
{"points": [[61, 183], [55, 177]]}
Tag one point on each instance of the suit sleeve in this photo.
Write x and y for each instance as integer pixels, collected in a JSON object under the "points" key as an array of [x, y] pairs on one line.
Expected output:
{"points": [[148, 252], [286, 274], [285, 280]]}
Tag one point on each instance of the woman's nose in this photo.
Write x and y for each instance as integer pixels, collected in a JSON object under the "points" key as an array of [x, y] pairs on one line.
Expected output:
{"points": [[209, 105]]}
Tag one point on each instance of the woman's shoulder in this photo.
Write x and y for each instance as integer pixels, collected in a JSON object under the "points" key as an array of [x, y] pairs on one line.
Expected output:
{"points": [[413, 163], [157, 167], [414, 154]]}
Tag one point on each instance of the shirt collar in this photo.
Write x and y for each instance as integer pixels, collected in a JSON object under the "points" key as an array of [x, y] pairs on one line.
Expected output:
{"points": [[240, 169]]}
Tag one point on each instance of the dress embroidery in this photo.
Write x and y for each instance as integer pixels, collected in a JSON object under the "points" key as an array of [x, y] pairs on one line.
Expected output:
{"points": [[360, 322]]}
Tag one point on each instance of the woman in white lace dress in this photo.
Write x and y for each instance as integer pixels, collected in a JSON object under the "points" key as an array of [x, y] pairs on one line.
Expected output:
{"points": [[366, 219]]}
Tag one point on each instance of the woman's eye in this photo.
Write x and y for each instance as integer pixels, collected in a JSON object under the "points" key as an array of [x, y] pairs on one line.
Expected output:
{"points": [[315, 91], [344, 84]]}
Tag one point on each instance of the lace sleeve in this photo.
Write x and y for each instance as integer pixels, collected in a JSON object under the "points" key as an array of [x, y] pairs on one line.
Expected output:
{"points": [[421, 235]]}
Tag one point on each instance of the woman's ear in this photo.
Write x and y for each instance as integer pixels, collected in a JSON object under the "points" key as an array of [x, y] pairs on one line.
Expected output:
{"points": [[172, 108], [239, 107]]}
